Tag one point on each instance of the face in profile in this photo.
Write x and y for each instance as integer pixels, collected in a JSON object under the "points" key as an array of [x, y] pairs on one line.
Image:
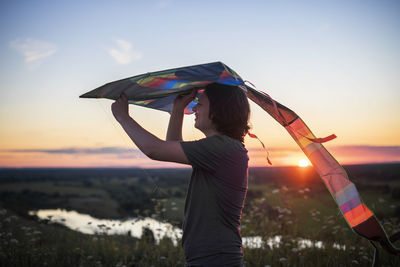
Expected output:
{"points": [[202, 118]]}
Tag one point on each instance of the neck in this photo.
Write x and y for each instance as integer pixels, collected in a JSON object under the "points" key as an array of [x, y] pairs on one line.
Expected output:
{"points": [[210, 132]]}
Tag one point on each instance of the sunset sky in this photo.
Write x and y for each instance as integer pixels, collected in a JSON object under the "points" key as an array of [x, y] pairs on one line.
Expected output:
{"points": [[335, 63]]}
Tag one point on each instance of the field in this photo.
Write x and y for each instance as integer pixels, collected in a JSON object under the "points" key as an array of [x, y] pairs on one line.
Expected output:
{"points": [[290, 204]]}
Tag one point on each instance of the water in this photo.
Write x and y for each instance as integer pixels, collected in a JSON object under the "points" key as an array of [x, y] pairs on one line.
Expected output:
{"points": [[89, 225]]}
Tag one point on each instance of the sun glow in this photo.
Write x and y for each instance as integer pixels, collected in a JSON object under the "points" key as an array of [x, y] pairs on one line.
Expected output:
{"points": [[304, 163]]}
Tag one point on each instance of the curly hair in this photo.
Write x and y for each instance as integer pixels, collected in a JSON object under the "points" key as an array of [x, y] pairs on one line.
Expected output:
{"points": [[229, 110]]}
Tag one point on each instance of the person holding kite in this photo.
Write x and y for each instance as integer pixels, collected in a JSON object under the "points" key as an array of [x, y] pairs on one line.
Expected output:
{"points": [[218, 185]]}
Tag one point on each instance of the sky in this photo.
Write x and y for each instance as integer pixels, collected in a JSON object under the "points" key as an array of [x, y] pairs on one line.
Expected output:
{"points": [[335, 63]]}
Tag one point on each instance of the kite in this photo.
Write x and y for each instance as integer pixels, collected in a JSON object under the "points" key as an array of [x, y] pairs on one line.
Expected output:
{"points": [[158, 90]]}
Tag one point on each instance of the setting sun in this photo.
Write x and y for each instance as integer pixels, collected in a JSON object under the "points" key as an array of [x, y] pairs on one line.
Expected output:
{"points": [[304, 163]]}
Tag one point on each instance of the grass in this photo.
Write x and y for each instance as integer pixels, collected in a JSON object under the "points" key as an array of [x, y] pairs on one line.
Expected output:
{"points": [[292, 211], [24, 242], [27, 242]]}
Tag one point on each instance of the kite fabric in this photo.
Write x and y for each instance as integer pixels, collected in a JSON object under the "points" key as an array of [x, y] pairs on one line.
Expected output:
{"points": [[158, 90]]}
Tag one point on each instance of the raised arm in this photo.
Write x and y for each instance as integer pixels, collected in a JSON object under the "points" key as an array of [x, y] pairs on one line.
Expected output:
{"points": [[150, 145], [174, 132]]}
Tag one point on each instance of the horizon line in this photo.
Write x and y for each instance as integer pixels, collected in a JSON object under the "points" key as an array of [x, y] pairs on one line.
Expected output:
{"points": [[184, 167]]}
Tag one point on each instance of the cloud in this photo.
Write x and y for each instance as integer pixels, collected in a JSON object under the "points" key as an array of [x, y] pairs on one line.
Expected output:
{"points": [[32, 49], [392, 152], [120, 151], [124, 54], [279, 156], [352, 154]]}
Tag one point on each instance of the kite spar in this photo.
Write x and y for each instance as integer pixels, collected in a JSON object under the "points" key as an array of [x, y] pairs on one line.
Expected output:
{"points": [[158, 90]]}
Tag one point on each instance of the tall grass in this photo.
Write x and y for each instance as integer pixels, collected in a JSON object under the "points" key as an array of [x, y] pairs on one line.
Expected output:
{"points": [[293, 215]]}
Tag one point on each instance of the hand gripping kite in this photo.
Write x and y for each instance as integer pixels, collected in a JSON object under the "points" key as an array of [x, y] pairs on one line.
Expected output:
{"points": [[158, 90]]}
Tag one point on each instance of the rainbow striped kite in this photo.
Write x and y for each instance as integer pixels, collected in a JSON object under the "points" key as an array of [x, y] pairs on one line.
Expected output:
{"points": [[158, 90]]}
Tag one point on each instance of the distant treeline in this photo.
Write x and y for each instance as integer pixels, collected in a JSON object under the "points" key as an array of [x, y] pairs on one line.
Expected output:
{"points": [[62, 174], [287, 175]]}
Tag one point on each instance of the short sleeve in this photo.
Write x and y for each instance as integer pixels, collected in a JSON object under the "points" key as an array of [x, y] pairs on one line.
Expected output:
{"points": [[207, 153]]}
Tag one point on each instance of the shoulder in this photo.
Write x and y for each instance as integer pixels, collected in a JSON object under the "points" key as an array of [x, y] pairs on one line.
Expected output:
{"points": [[225, 143], [220, 144], [214, 151], [229, 141]]}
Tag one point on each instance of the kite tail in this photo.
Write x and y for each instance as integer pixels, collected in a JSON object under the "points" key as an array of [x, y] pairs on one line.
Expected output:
{"points": [[259, 140], [356, 213]]}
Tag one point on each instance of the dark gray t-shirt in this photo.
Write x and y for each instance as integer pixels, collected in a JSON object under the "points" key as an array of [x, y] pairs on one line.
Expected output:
{"points": [[214, 201]]}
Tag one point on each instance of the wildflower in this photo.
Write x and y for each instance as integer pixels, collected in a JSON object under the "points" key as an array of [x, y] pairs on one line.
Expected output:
{"points": [[301, 191], [3, 212], [37, 232], [89, 257], [282, 259], [381, 200], [14, 241], [294, 250], [95, 239], [174, 208], [354, 261], [275, 191], [162, 258]]}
